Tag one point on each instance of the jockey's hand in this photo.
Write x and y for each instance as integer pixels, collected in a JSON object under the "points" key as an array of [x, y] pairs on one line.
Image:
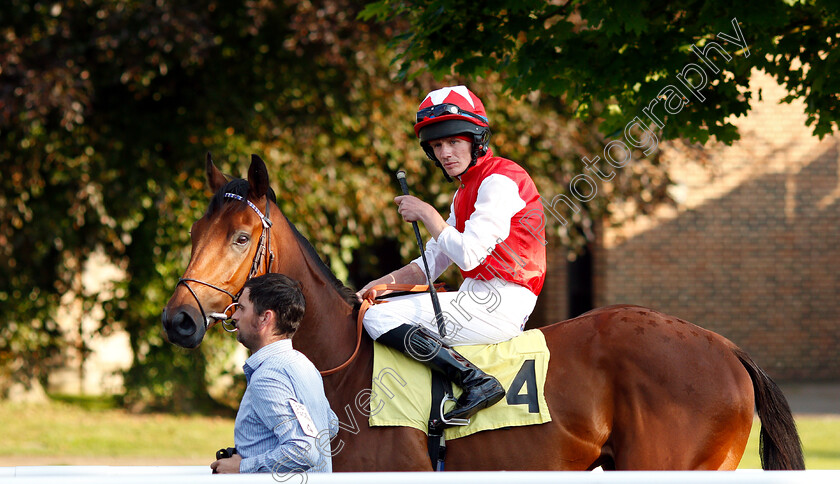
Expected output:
{"points": [[412, 209], [387, 279], [408, 274]]}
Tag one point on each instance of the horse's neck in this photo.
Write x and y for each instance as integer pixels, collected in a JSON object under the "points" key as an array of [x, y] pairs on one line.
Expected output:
{"points": [[327, 334]]}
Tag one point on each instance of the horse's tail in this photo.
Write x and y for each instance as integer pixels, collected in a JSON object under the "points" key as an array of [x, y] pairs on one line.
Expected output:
{"points": [[779, 444]]}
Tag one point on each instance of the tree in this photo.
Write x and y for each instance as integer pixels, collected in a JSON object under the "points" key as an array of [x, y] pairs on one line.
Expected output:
{"points": [[108, 108], [609, 60]]}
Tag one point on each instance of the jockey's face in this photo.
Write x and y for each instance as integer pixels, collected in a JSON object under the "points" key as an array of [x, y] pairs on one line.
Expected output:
{"points": [[453, 153]]}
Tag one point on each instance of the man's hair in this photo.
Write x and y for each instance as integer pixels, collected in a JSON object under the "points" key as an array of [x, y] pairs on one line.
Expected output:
{"points": [[280, 294]]}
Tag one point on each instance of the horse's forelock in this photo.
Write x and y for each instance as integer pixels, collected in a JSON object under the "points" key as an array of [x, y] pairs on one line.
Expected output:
{"points": [[236, 186], [240, 187]]}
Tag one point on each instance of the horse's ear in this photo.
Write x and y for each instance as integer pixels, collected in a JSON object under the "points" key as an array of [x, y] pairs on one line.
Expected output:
{"points": [[215, 178], [257, 178]]}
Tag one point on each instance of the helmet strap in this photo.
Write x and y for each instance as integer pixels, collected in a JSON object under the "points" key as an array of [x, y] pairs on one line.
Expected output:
{"points": [[445, 175], [479, 149]]}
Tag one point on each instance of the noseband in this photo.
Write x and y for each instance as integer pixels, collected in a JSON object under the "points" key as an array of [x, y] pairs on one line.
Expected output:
{"points": [[263, 248]]}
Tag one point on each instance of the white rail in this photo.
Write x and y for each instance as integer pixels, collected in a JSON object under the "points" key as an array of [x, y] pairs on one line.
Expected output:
{"points": [[201, 474], [35, 471]]}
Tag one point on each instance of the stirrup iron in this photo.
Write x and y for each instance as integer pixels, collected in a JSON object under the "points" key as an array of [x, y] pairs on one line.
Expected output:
{"points": [[452, 421]]}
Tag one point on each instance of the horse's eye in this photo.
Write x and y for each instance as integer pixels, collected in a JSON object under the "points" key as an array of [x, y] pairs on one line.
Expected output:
{"points": [[242, 239]]}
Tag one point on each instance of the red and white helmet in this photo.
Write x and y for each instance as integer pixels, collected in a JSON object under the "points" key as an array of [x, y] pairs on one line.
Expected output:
{"points": [[452, 111]]}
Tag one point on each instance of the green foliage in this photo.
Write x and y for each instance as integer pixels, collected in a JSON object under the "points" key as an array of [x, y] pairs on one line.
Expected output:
{"points": [[596, 53], [107, 109], [106, 112]]}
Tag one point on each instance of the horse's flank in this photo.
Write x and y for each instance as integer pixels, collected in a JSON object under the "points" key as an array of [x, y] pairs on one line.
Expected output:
{"points": [[627, 387]]}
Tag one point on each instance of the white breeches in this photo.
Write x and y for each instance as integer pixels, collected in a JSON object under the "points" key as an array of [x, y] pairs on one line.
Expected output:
{"points": [[480, 312]]}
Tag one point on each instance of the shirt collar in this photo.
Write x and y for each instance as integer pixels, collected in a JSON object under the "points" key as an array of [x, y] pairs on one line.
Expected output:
{"points": [[254, 361]]}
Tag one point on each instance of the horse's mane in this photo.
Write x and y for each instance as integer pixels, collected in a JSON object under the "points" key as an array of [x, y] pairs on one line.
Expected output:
{"points": [[240, 187], [347, 293]]}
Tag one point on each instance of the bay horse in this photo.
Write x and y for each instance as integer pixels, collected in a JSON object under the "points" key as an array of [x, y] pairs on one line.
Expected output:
{"points": [[627, 387]]}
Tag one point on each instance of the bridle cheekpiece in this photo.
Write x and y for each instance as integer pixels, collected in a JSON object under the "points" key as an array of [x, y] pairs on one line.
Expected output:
{"points": [[263, 247]]}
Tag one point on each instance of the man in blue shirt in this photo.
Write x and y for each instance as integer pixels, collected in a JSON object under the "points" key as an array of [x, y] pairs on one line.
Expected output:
{"points": [[284, 423]]}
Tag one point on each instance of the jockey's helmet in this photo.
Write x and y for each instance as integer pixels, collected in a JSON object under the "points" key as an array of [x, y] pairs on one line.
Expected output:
{"points": [[452, 111]]}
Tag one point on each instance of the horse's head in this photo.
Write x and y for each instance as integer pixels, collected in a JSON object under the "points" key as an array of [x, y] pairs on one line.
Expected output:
{"points": [[230, 243]]}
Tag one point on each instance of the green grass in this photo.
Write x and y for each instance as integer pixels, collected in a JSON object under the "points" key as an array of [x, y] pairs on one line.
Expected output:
{"points": [[68, 428], [820, 441]]}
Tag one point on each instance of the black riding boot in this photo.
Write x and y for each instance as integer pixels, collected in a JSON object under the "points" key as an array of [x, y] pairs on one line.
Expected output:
{"points": [[480, 390]]}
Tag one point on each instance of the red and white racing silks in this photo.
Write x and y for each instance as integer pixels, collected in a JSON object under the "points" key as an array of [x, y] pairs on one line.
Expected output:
{"points": [[497, 226], [496, 237]]}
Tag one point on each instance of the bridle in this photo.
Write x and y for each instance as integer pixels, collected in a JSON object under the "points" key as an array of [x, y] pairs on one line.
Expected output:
{"points": [[263, 248]]}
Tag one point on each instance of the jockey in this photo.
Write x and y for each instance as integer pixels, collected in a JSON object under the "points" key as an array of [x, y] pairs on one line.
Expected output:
{"points": [[495, 234]]}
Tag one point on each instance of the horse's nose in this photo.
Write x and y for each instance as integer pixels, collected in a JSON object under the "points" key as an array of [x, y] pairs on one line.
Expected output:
{"points": [[181, 327], [183, 324]]}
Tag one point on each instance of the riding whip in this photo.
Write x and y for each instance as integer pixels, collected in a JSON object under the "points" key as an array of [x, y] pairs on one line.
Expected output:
{"points": [[432, 292]]}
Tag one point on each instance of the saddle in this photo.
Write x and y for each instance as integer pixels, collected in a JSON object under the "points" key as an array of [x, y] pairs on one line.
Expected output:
{"points": [[401, 388], [520, 364]]}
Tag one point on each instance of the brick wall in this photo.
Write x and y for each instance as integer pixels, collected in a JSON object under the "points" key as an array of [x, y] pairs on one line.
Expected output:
{"points": [[553, 302], [752, 250]]}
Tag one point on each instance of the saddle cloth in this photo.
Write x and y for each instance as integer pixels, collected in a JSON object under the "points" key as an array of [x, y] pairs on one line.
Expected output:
{"points": [[401, 387]]}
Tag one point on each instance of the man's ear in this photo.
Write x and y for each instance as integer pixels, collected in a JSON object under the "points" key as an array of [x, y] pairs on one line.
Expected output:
{"points": [[268, 317]]}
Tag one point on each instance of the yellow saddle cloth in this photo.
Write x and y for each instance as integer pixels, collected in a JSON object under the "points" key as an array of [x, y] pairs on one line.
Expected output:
{"points": [[401, 389]]}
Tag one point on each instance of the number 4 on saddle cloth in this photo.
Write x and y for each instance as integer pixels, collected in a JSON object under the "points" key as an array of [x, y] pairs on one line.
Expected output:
{"points": [[401, 389]]}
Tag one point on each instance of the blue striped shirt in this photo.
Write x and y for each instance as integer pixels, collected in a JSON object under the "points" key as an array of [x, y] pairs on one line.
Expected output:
{"points": [[269, 435]]}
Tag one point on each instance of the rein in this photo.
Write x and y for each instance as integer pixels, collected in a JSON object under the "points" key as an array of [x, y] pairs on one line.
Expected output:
{"points": [[368, 301], [263, 247]]}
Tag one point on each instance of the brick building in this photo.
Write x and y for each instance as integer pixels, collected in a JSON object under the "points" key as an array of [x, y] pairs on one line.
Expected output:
{"points": [[751, 250]]}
